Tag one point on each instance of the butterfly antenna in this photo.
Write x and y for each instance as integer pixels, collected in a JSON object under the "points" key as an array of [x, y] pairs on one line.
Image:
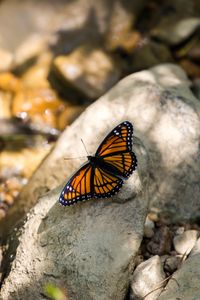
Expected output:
{"points": [[85, 147]]}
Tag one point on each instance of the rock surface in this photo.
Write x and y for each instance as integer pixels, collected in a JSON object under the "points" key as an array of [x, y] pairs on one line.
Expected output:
{"points": [[92, 77], [185, 282], [148, 276], [196, 248], [165, 115], [184, 243], [174, 31], [148, 228], [88, 248]]}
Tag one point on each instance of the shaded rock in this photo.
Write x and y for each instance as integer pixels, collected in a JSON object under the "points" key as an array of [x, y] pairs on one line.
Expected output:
{"points": [[165, 116], [36, 76], [194, 52], [172, 263], [196, 88], [148, 228], [149, 275], [173, 31], [149, 54], [180, 230], [123, 16], [191, 68], [184, 243], [185, 282], [161, 242], [87, 71], [88, 249]]}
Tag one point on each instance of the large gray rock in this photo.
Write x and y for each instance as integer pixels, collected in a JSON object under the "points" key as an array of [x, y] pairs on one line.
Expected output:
{"points": [[165, 115], [88, 249], [185, 282]]}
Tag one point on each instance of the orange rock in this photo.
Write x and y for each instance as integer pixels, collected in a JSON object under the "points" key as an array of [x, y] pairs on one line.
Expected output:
{"points": [[40, 104], [36, 76], [127, 41], [5, 104], [69, 115], [9, 82]]}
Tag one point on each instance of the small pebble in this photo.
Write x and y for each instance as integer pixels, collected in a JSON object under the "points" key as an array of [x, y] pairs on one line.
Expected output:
{"points": [[172, 263], [148, 228], [153, 216]]}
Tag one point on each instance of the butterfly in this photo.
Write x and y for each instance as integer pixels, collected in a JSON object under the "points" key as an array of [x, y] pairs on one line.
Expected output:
{"points": [[105, 172]]}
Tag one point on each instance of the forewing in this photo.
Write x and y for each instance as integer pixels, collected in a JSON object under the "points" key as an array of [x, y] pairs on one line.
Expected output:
{"points": [[78, 187], [125, 163], [118, 140], [105, 184]]}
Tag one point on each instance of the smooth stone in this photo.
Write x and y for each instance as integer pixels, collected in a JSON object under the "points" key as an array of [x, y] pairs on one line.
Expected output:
{"points": [[184, 243], [173, 31], [147, 277]]}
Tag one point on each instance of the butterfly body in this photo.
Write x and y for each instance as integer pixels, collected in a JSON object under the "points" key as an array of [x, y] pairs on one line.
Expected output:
{"points": [[104, 173], [98, 162]]}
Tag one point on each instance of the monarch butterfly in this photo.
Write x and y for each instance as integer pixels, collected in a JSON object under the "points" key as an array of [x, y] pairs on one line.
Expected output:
{"points": [[104, 173]]}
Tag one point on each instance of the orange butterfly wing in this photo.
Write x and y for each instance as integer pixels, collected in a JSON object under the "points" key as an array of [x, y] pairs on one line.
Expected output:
{"points": [[125, 163], [78, 187], [116, 150], [118, 140], [105, 184], [89, 182]]}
